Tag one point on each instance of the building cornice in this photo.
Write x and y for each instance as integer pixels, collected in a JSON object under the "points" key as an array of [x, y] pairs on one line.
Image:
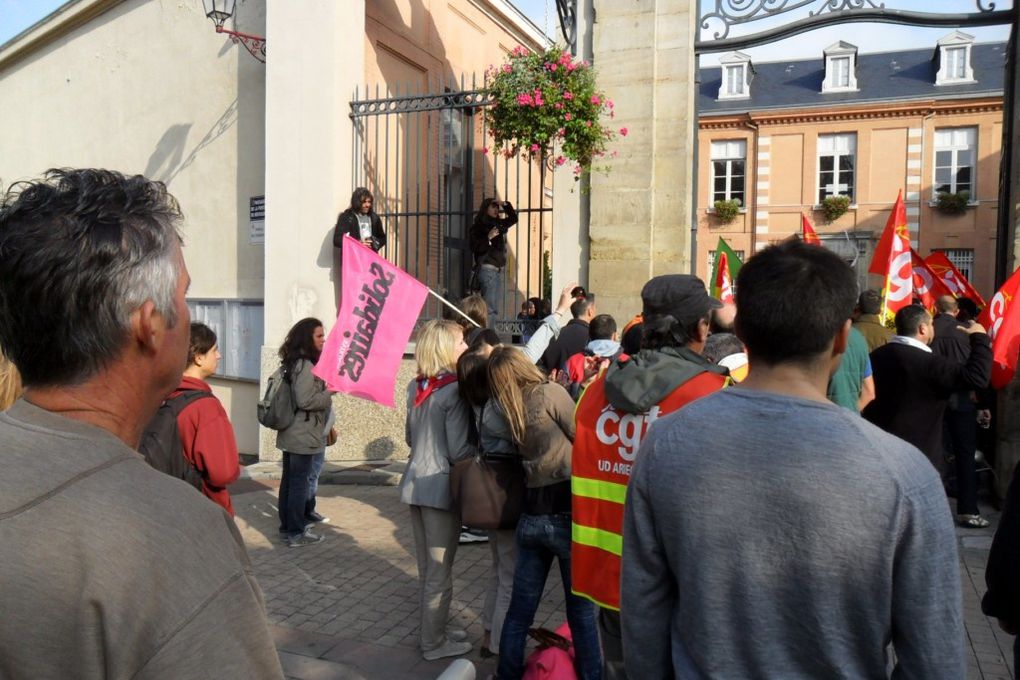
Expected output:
{"points": [[818, 115], [52, 27], [507, 15]]}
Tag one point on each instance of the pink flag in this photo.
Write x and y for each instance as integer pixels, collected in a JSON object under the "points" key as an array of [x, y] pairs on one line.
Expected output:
{"points": [[379, 305]]}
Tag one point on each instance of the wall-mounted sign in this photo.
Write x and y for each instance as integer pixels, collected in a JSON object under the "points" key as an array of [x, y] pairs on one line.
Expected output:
{"points": [[257, 219]]}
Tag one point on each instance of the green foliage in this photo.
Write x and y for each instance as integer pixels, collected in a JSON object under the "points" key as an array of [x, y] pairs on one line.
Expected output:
{"points": [[547, 100], [546, 276], [727, 211], [952, 204], [835, 207]]}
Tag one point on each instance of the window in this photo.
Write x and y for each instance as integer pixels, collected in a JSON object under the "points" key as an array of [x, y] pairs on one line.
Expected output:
{"points": [[962, 259], [728, 162], [955, 150], [956, 63], [836, 155], [840, 72], [238, 325], [954, 59], [734, 85]]}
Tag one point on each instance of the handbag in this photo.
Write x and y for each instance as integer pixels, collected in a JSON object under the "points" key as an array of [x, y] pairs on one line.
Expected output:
{"points": [[554, 657], [474, 284], [488, 490]]}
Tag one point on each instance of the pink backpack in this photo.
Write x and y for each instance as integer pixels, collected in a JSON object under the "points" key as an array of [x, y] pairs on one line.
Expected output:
{"points": [[554, 658]]}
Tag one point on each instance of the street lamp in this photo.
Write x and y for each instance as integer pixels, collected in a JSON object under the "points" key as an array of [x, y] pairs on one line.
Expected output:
{"points": [[221, 10]]}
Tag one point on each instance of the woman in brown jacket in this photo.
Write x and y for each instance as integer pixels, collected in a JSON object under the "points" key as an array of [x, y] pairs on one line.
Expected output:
{"points": [[541, 419]]}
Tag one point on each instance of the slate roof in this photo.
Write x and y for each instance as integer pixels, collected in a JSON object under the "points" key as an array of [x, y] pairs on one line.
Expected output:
{"points": [[882, 77]]}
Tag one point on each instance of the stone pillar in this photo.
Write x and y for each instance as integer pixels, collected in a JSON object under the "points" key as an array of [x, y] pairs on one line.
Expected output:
{"points": [[640, 212], [315, 58]]}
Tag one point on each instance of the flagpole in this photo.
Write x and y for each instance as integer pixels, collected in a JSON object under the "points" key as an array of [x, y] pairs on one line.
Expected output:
{"points": [[452, 306]]}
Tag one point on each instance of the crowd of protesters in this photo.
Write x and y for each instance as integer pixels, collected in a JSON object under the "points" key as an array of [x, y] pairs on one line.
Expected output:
{"points": [[727, 491]]}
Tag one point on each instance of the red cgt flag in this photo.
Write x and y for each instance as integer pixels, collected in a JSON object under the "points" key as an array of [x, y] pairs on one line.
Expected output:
{"points": [[808, 233], [893, 261], [957, 283], [927, 285], [722, 279], [1002, 320], [895, 225]]}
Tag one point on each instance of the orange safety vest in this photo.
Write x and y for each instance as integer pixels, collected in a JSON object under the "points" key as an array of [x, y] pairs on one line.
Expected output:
{"points": [[605, 446]]}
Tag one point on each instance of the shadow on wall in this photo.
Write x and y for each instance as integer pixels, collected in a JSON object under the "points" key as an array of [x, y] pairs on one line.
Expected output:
{"points": [[166, 162]]}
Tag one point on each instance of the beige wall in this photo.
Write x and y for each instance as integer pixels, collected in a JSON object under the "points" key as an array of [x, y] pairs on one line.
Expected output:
{"points": [[894, 152], [147, 86]]}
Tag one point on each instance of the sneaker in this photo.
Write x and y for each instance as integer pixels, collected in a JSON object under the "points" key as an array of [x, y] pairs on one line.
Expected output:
{"points": [[301, 540], [972, 521], [315, 518], [456, 634], [449, 648], [472, 536]]}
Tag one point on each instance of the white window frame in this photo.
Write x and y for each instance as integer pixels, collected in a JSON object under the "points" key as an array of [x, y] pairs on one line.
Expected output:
{"points": [[848, 142], [239, 340], [962, 259], [959, 45], [735, 68], [727, 151], [960, 139], [840, 53]]}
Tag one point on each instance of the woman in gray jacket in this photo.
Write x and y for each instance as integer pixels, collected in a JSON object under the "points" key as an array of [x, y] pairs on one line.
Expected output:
{"points": [[437, 430], [305, 439]]}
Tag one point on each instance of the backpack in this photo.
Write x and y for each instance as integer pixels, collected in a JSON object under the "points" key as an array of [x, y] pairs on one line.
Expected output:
{"points": [[161, 441], [276, 410]]}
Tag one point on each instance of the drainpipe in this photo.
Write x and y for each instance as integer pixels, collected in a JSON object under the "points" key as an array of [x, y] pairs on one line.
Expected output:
{"points": [[694, 175], [753, 209]]}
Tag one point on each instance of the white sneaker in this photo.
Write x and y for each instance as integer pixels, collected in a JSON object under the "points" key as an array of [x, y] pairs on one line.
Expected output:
{"points": [[472, 536], [449, 648], [456, 634]]}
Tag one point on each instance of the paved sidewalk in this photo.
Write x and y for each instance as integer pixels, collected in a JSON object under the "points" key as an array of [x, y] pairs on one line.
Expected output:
{"points": [[346, 608]]}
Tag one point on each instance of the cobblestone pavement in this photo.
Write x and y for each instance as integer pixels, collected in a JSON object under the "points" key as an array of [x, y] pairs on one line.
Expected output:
{"points": [[346, 608]]}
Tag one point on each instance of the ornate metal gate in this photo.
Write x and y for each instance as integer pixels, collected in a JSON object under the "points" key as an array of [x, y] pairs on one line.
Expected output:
{"points": [[424, 158]]}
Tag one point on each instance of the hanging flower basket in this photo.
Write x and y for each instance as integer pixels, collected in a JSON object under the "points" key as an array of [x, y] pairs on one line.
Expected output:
{"points": [[546, 105]]}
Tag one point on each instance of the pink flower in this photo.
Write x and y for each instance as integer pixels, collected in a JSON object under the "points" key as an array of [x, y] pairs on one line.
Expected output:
{"points": [[560, 160], [524, 99], [534, 148], [571, 66], [623, 131], [587, 123], [558, 105], [519, 51], [568, 95], [567, 116], [485, 150], [565, 58], [507, 68], [561, 132], [577, 169], [609, 102], [595, 99], [538, 98]]}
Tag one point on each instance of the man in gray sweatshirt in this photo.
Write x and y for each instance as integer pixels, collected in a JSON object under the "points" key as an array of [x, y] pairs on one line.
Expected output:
{"points": [[770, 533]]}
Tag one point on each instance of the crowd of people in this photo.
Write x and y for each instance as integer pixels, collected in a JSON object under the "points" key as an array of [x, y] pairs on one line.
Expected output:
{"points": [[727, 491]]}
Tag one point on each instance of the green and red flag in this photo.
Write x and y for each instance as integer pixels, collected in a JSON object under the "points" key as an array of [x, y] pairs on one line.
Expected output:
{"points": [[722, 281], [957, 283], [808, 233], [1001, 318], [731, 262], [893, 261]]}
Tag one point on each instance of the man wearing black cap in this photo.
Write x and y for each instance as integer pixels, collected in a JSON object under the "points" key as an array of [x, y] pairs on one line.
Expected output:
{"points": [[612, 417]]}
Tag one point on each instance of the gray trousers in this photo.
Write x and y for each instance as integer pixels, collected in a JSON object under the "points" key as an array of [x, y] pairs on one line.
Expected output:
{"points": [[435, 544], [501, 584]]}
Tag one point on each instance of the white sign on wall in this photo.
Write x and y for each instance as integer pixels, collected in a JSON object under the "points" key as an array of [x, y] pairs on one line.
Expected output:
{"points": [[257, 219]]}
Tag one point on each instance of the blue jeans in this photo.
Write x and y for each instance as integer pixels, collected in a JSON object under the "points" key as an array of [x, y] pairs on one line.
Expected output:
{"points": [[313, 481], [491, 281], [540, 538], [294, 492]]}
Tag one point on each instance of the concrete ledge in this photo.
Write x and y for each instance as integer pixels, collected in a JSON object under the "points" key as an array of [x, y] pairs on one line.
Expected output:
{"points": [[363, 472]]}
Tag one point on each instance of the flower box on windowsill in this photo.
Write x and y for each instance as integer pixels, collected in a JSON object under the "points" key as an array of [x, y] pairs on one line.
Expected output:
{"points": [[970, 204], [711, 211]]}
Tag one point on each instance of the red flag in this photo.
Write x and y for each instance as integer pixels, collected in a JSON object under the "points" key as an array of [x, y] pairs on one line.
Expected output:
{"points": [[1001, 318], [807, 232], [896, 224], [957, 283], [723, 283], [379, 305], [927, 285]]}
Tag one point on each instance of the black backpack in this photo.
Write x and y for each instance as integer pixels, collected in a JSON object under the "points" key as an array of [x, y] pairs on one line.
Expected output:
{"points": [[161, 441]]}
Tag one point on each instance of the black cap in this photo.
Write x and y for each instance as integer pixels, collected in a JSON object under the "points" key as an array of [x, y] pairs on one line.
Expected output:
{"points": [[682, 296]]}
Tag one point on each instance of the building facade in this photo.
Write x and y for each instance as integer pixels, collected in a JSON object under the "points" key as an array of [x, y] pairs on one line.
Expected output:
{"points": [[780, 138]]}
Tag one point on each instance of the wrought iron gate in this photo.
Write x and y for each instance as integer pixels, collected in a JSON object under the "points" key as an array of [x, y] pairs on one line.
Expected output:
{"points": [[424, 158]]}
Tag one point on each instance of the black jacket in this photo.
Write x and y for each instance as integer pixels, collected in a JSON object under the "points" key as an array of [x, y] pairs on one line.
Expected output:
{"points": [[952, 343], [572, 339], [912, 387], [491, 252], [1002, 576], [347, 223]]}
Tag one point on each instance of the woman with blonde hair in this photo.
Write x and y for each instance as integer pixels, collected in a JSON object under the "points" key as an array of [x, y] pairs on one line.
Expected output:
{"points": [[10, 383], [540, 416], [438, 431]]}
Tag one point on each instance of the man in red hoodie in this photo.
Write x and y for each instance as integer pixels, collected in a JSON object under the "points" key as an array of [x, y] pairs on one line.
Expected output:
{"points": [[206, 432]]}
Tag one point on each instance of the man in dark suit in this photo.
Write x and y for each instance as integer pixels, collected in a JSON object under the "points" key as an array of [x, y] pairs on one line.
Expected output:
{"points": [[574, 336], [913, 385], [959, 424]]}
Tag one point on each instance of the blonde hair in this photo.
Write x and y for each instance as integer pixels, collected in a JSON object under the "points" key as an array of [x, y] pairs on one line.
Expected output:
{"points": [[10, 383], [436, 347], [511, 377]]}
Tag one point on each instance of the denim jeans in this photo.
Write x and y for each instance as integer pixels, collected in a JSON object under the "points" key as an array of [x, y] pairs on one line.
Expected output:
{"points": [[491, 281], [294, 492], [540, 538], [313, 481]]}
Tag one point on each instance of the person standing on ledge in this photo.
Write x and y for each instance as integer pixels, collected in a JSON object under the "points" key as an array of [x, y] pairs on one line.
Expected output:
{"points": [[360, 222], [488, 243]]}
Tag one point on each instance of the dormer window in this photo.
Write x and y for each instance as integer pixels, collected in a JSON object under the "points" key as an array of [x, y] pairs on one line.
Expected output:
{"points": [[840, 68], [736, 76], [953, 58]]}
